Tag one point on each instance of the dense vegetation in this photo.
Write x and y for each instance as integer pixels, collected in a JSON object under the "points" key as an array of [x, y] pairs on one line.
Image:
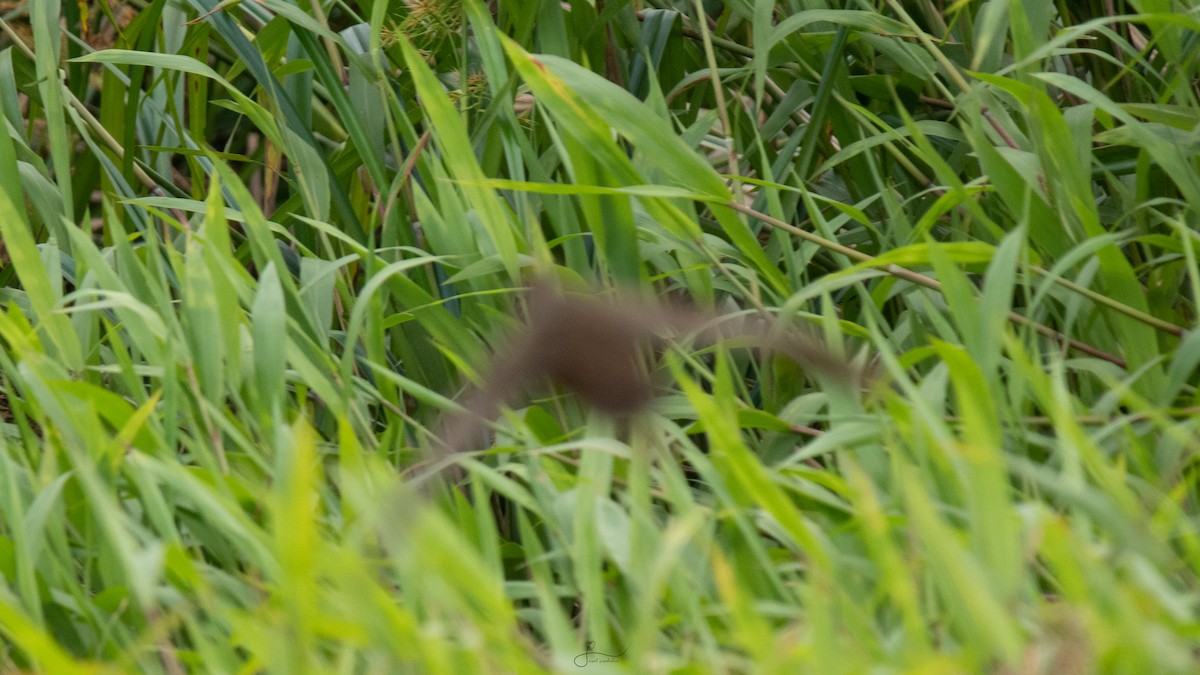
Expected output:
{"points": [[254, 252]]}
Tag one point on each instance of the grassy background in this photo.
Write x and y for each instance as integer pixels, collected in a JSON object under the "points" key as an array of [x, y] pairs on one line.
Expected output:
{"points": [[252, 251]]}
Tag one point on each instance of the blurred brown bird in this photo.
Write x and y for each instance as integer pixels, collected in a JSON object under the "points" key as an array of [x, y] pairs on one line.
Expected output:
{"points": [[597, 350]]}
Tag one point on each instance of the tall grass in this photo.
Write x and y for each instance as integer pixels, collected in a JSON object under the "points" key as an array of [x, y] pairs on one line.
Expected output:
{"points": [[253, 253]]}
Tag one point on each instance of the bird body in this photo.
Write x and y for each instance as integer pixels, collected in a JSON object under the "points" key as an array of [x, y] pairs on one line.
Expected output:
{"points": [[597, 349]]}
